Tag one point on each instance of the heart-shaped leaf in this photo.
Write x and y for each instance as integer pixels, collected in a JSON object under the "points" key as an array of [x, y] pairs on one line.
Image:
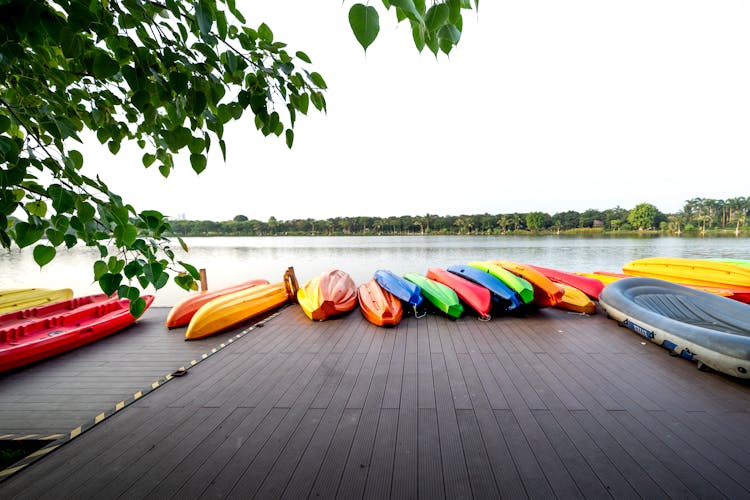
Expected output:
{"points": [[43, 254], [365, 24]]}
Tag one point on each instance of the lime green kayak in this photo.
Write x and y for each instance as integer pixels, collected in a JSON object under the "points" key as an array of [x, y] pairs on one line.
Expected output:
{"points": [[441, 296], [737, 262], [519, 285]]}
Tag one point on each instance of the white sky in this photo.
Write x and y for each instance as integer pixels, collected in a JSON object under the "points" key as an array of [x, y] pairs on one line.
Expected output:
{"points": [[547, 105]]}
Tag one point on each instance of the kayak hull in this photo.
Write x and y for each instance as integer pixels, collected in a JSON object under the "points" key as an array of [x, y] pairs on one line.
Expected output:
{"points": [[519, 285], [475, 296], [183, 311], [232, 309], [53, 335], [405, 290], [504, 298], [330, 294], [590, 286], [442, 297], [379, 306], [546, 292]]}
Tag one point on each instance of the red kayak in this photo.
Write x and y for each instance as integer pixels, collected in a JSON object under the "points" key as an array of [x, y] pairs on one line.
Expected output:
{"points": [[475, 296], [39, 339], [590, 286], [15, 318]]}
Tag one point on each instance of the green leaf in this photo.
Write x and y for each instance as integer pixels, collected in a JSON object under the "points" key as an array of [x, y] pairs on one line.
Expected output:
{"points": [[38, 208], [54, 237], [450, 32], [183, 245], [318, 80], [437, 16], [132, 268], [265, 33], [365, 23], [26, 234], [301, 55], [204, 15], [104, 66], [190, 269], [198, 162], [148, 159], [76, 157], [43, 254], [100, 269], [408, 7], [289, 138], [137, 307], [109, 283], [62, 200], [5, 123]]}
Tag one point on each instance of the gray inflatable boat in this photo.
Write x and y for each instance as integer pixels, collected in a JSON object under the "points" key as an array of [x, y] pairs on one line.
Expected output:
{"points": [[696, 325]]}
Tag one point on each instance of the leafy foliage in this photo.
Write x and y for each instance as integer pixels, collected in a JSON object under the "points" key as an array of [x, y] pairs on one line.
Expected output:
{"points": [[168, 75], [437, 27]]}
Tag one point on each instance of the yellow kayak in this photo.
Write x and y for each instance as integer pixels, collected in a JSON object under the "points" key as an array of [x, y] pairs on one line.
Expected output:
{"points": [[691, 272], [229, 310], [15, 299], [575, 300]]}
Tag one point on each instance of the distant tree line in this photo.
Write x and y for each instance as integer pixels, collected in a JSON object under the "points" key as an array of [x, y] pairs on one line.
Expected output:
{"points": [[698, 216]]}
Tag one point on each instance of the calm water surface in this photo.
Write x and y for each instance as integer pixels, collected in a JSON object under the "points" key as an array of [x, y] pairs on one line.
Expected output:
{"points": [[230, 260]]}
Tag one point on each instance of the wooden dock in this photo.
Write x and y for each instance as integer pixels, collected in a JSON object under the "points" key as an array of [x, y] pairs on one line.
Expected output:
{"points": [[549, 405]]}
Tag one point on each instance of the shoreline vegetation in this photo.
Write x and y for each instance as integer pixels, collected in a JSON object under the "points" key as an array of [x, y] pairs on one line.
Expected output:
{"points": [[699, 217]]}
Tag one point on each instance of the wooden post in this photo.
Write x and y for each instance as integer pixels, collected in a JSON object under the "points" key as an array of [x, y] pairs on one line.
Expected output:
{"points": [[204, 280], [290, 280]]}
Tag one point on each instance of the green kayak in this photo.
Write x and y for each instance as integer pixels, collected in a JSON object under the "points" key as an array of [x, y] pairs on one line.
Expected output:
{"points": [[737, 262], [441, 296], [519, 285]]}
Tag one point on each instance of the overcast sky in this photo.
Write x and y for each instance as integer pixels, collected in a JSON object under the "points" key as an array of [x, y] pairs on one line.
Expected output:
{"points": [[547, 105]]}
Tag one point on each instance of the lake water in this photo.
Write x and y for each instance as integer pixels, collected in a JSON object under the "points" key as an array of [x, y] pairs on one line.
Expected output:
{"points": [[229, 260]]}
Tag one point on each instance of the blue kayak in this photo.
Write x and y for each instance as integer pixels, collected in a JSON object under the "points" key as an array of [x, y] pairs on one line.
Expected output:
{"points": [[405, 290], [502, 294]]}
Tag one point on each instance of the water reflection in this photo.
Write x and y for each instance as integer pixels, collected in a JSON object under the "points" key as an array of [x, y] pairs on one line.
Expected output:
{"points": [[229, 260]]}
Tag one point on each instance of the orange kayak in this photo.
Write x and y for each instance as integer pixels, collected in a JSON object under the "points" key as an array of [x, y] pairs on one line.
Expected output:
{"points": [[738, 294], [183, 311], [546, 292], [379, 306], [330, 294]]}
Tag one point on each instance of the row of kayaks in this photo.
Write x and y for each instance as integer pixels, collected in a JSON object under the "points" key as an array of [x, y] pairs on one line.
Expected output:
{"points": [[480, 288], [682, 304]]}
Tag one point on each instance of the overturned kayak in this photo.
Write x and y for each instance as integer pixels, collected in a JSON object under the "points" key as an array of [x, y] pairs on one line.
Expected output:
{"points": [[575, 300], [503, 297], [234, 308], [405, 290], [442, 297], [330, 294], [475, 296], [696, 325], [519, 285], [183, 311], [380, 307], [590, 286], [546, 292]]}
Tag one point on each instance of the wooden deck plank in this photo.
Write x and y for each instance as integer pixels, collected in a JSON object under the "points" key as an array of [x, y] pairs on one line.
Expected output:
{"points": [[544, 404]]}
